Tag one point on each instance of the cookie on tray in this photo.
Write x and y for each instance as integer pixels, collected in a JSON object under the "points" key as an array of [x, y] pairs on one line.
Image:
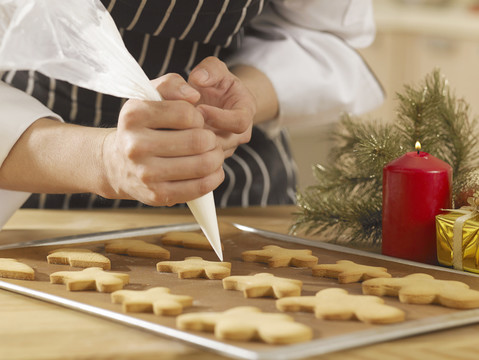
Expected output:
{"points": [[158, 300], [263, 285], [337, 304], [421, 288], [136, 247], [83, 258], [196, 267], [349, 272], [246, 323], [276, 256], [14, 269], [93, 278]]}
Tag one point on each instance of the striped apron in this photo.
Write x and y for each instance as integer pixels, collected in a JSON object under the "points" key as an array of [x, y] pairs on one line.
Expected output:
{"points": [[172, 36]]}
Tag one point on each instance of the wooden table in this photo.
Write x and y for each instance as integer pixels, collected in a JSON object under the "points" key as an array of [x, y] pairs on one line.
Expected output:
{"points": [[31, 329]]}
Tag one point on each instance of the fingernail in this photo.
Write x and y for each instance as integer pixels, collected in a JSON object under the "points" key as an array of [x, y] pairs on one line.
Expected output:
{"points": [[202, 75]]}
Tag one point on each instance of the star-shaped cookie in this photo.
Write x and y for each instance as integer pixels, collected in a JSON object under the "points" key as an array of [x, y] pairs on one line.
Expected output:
{"points": [[196, 267], [263, 285], [247, 323], [157, 300], [337, 304], [93, 278], [276, 256], [349, 272]]}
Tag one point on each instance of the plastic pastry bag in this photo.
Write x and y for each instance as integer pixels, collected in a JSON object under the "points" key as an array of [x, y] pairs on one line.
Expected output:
{"points": [[77, 41], [74, 41]]}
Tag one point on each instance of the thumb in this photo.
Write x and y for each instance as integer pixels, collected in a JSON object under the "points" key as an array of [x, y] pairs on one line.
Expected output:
{"points": [[174, 87]]}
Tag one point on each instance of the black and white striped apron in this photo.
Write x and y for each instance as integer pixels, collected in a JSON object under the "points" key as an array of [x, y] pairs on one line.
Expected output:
{"points": [[172, 36]]}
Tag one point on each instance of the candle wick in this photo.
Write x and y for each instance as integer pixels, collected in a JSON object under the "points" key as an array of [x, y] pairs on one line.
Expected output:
{"points": [[418, 152]]}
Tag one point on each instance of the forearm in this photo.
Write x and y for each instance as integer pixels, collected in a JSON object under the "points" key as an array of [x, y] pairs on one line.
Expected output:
{"points": [[262, 89], [306, 49], [53, 157], [140, 159]]}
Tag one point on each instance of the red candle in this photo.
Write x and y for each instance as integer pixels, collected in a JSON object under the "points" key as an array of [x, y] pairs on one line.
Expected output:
{"points": [[416, 186]]}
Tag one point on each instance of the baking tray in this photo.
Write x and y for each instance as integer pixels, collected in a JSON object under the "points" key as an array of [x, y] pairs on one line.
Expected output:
{"points": [[329, 336]]}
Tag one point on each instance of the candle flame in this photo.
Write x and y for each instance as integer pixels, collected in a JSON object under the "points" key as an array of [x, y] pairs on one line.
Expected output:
{"points": [[418, 146]]}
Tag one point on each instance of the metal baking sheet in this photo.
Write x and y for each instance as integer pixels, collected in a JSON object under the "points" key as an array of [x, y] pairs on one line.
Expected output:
{"points": [[424, 318], [102, 236]]}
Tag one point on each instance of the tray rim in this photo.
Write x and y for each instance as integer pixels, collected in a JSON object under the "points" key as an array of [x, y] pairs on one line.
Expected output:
{"points": [[297, 351], [102, 235]]}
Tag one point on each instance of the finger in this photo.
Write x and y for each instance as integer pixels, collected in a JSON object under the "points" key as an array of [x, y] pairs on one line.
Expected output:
{"points": [[176, 114], [174, 87], [158, 170], [229, 142], [229, 152], [175, 192], [166, 143], [236, 120], [211, 71]]}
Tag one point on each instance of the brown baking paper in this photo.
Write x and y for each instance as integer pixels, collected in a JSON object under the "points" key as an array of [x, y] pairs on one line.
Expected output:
{"points": [[209, 295]]}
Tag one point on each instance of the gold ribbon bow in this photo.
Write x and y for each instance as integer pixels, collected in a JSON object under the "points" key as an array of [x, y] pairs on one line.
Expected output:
{"points": [[469, 212]]}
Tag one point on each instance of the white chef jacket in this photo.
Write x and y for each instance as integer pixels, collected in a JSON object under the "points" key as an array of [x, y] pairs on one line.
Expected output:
{"points": [[321, 35]]}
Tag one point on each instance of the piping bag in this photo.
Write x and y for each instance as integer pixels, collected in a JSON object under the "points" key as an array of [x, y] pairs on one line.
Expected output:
{"points": [[78, 42]]}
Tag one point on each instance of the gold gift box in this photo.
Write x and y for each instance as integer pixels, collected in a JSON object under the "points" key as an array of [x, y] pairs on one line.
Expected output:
{"points": [[470, 241]]}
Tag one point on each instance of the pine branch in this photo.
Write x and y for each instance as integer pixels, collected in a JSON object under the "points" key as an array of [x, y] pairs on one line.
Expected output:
{"points": [[346, 201], [346, 197], [365, 147], [353, 216], [433, 115]]}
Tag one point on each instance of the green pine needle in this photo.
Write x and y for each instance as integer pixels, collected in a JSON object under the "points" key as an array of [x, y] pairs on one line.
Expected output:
{"points": [[345, 204]]}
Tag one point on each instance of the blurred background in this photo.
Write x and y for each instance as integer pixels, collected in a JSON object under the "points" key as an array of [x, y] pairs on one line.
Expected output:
{"points": [[413, 37]]}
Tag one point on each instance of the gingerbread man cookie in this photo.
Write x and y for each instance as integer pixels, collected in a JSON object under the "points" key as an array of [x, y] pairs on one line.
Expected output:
{"points": [[157, 300], [140, 248], [276, 256], [349, 272], [93, 278], [424, 289], [79, 258], [263, 285], [196, 267], [246, 323], [14, 269], [337, 304], [189, 240]]}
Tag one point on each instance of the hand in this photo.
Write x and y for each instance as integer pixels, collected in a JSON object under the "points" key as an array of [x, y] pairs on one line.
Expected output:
{"points": [[161, 154], [227, 105]]}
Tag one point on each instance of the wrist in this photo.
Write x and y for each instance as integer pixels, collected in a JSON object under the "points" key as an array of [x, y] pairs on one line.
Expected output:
{"points": [[53, 157], [105, 162]]}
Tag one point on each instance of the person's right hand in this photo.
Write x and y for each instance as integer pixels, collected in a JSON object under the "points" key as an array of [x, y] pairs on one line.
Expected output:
{"points": [[160, 153]]}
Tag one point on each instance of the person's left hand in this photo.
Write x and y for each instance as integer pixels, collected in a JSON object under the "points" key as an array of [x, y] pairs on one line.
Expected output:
{"points": [[228, 107]]}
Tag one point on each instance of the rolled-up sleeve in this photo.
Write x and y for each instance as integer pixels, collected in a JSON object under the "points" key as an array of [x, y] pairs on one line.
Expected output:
{"points": [[17, 112], [307, 48]]}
